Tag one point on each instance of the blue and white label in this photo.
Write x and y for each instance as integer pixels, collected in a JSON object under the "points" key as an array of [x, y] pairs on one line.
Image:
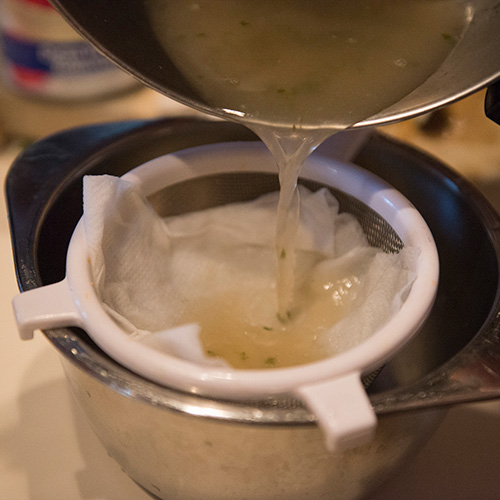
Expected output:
{"points": [[63, 58]]}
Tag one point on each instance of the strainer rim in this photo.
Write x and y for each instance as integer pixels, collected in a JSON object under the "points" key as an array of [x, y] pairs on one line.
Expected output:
{"points": [[253, 384]]}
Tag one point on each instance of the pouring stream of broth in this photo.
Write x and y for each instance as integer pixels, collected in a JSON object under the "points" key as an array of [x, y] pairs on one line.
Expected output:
{"points": [[298, 71]]}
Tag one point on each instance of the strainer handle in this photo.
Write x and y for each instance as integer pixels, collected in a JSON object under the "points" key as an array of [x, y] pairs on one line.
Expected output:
{"points": [[343, 410], [472, 375], [50, 306]]}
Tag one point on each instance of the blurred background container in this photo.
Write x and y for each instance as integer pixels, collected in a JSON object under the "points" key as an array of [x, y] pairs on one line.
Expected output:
{"points": [[51, 79], [43, 56]]}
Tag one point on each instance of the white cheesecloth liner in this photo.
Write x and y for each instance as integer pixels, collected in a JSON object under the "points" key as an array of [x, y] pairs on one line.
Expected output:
{"points": [[331, 388]]}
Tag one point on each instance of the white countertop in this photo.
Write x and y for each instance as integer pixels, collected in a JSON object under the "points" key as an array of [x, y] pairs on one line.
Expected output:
{"points": [[48, 451]]}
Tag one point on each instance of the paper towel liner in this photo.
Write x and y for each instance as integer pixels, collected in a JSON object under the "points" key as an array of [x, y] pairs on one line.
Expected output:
{"points": [[331, 388]]}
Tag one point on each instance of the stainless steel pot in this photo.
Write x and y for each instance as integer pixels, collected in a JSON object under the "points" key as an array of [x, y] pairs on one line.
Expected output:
{"points": [[120, 29], [180, 446]]}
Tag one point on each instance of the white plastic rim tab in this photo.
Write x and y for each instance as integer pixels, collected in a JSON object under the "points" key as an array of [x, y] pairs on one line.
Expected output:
{"points": [[50, 306], [331, 388], [343, 411]]}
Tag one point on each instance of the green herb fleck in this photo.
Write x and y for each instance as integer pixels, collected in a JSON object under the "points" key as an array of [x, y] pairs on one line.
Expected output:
{"points": [[271, 362], [267, 328], [283, 254], [281, 91], [244, 23], [447, 37], [243, 356], [211, 353]]}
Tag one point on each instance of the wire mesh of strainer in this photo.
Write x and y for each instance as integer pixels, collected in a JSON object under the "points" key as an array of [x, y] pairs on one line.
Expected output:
{"points": [[218, 174], [213, 190]]}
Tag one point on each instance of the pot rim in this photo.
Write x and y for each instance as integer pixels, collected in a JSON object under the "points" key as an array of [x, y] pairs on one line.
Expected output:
{"points": [[89, 149]]}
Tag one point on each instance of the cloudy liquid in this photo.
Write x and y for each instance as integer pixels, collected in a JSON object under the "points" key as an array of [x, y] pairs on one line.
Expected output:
{"points": [[249, 342], [298, 71], [303, 64]]}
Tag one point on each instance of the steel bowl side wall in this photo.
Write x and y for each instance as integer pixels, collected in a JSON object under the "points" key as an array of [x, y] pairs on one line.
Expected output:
{"points": [[177, 456]]}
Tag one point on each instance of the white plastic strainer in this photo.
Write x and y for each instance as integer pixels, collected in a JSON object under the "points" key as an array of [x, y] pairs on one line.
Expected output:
{"points": [[331, 388]]}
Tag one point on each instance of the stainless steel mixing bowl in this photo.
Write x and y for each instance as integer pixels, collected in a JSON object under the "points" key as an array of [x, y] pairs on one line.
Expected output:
{"points": [[180, 446]]}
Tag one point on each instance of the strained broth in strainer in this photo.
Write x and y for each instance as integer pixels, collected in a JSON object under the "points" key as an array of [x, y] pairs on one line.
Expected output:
{"points": [[221, 266]]}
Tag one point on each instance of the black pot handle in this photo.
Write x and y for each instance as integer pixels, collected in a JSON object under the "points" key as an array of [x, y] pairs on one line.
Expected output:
{"points": [[492, 102]]}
